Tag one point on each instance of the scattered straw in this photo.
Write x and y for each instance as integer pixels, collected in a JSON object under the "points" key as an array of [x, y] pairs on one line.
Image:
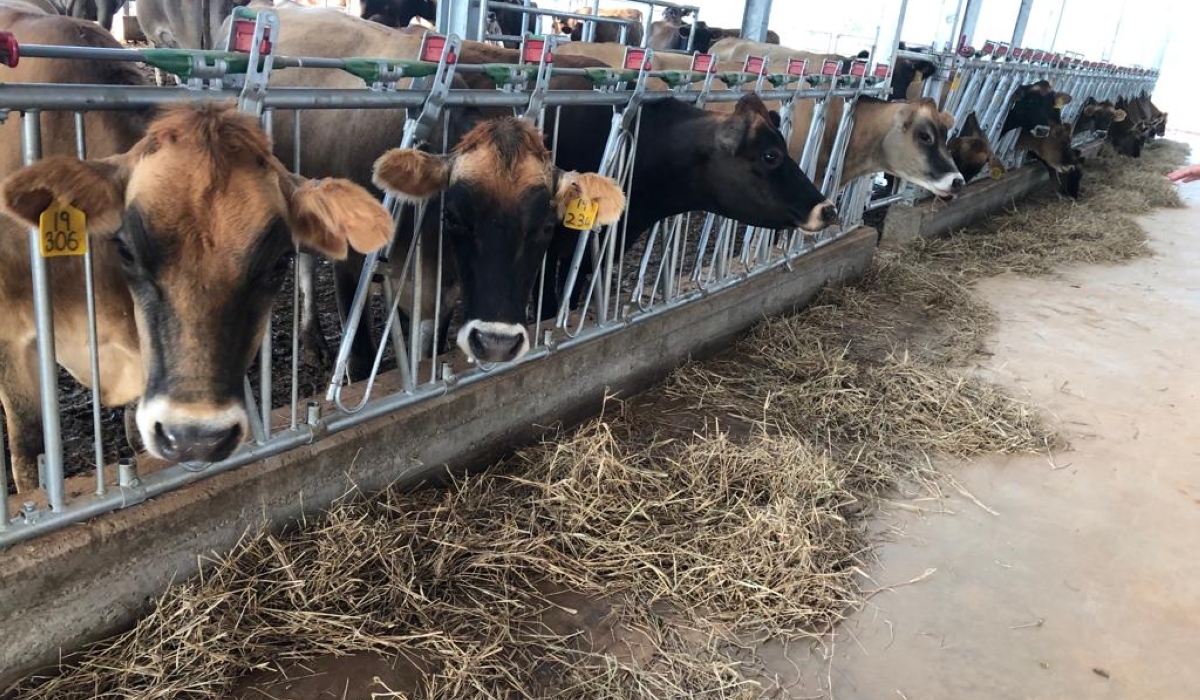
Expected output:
{"points": [[1041, 233], [628, 558]]}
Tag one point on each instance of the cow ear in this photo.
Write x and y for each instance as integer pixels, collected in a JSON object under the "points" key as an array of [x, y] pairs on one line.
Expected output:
{"points": [[947, 119], [96, 187], [776, 120], [971, 126], [1061, 100], [1119, 115], [412, 175], [332, 215], [591, 187]]}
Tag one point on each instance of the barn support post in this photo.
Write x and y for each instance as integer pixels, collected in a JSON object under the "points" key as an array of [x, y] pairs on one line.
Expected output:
{"points": [[1022, 22], [461, 18], [969, 18], [755, 18]]}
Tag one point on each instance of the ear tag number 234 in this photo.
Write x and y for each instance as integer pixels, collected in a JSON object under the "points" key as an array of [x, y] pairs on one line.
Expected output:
{"points": [[581, 214], [63, 230]]}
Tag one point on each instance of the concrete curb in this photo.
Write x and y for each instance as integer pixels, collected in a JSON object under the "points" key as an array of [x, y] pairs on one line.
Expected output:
{"points": [[90, 581]]}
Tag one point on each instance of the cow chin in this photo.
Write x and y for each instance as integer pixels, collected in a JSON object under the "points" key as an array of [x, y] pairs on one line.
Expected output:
{"points": [[493, 341], [188, 432]]}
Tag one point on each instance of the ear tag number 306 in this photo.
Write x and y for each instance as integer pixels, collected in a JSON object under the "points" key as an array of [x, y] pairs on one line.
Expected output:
{"points": [[63, 230], [581, 214]]}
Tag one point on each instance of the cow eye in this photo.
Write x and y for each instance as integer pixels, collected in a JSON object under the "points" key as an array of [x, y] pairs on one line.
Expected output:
{"points": [[283, 264], [772, 157], [123, 251], [926, 138]]}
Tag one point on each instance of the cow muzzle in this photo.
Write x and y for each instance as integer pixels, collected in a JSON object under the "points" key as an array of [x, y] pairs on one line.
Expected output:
{"points": [[492, 341], [179, 432], [821, 217]]}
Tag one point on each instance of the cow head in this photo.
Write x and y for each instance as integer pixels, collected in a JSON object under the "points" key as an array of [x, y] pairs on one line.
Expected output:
{"points": [[972, 152], [1035, 105], [1064, 162], [202, 220], [1098, 116], [706, 36], [503, 202], [914, 145], [744, 172], [1128, 136]]}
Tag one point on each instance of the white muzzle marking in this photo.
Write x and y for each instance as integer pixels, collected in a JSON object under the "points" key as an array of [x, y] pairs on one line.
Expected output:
{"points": [[510, 330], [160, 410]]}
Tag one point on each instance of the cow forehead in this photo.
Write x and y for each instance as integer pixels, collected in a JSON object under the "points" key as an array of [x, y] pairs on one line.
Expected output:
{"points": [[183, 198], [503, 179]]}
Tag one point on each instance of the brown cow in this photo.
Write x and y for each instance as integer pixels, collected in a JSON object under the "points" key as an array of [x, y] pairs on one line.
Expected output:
{"points": [[972, 152], [191, 227]]}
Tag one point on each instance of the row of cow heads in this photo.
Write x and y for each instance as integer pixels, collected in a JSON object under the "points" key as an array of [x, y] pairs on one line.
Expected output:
{"points": [[1143, 122]]}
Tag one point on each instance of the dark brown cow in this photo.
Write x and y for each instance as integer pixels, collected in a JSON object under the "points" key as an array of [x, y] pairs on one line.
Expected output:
{"points": [[972, 152], [1037, 107], [503, 203]]}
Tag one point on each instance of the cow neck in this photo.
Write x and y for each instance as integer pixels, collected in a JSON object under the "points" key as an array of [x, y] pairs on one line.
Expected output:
{"points": [[864, 153], [672, 145]]}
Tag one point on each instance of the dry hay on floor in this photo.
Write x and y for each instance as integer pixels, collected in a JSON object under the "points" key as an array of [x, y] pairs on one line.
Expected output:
{"points": [[1044, 232], [742, 520]]}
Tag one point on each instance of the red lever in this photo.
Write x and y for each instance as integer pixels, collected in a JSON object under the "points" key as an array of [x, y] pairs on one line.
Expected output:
{"points": [[10, 48]]}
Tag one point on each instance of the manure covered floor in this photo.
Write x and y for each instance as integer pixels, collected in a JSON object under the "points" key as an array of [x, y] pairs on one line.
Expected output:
{"points": [[1086, 581]]}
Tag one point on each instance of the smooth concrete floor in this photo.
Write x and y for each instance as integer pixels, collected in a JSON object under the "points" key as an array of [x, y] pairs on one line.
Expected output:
{"points": [[1086, 582]]}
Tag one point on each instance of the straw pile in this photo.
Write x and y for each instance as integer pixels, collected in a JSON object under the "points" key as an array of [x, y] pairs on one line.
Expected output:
{"points": [[1043, 232], [636, 556]]}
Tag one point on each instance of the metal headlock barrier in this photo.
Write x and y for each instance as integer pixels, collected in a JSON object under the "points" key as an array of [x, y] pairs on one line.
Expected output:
{"points": [[681, 261], [984, 82]]}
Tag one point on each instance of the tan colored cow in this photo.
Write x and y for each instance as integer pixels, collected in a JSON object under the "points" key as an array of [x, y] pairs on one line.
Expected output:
{"points": [[191, 226], [906, 139]]}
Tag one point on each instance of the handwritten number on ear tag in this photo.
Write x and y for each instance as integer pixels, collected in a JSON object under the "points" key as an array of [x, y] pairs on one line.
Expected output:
{"points": [[581, 214], [63, 230]]}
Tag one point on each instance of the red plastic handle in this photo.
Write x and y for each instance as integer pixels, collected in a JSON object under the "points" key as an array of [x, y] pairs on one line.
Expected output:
{"points": [[10, 48]]}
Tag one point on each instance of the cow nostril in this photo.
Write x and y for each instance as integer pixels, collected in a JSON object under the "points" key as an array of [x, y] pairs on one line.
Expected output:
{"points": [[168, 445], [829, 214], [957, 184], [495, 347]]}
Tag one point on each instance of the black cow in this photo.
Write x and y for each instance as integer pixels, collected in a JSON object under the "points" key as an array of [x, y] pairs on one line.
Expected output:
{"points": [[398, 13], [1035, 109]]}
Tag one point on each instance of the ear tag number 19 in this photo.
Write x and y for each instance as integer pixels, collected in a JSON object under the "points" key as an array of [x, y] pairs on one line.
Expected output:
{"points": [[63, 230], [581, 214]]}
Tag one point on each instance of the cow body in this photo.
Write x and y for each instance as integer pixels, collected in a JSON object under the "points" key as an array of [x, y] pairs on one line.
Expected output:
{"points": [[184, 24], [101, 11], [606, 32]]}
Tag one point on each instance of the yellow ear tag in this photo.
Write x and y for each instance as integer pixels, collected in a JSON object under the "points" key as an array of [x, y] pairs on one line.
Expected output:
{"points": [[997, 172], [956, 82], [63, 230], [581, 214]]}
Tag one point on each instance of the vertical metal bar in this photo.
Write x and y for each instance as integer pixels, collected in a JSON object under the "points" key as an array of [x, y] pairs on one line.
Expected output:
{"points": [[1062, 11], [4, 515], [31, 151], [755, 16], [589, 28], [294, 417], [1022, 21], [970, 18], [89, 281], [264, 353]]}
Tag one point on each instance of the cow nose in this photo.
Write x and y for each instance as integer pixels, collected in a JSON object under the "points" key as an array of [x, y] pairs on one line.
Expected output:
{"points": [[957, 184], [829, 214], [195, 443], [493, 346]]}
